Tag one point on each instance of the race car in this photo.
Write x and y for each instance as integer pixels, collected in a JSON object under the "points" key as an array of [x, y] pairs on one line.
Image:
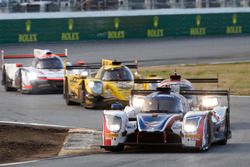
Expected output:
{"points": [[45, 74], [185, 84], [177, 84], [162, 118], [98, 85], [175, 81]]}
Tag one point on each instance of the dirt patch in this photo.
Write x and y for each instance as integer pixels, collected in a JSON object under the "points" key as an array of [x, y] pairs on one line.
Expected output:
{"points": [[20, 143]]}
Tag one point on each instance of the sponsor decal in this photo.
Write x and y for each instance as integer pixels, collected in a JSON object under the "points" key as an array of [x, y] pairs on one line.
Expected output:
{"points": [[117, 33], [234, 28], [70, 35], [192, 137], [28, 36], [198, 30], [155, 32], [111, 135]]}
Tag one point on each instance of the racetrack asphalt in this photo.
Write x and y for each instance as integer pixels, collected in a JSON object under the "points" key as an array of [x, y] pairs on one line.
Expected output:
{"points": [[235, 154], [51, 109], [153, 52]]}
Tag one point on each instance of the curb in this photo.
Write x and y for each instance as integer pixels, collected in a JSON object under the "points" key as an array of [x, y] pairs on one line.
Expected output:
{"points": [[81, 141]]}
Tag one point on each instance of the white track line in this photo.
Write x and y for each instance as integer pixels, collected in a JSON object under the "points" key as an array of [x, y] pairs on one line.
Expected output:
{"points": [[240, 96], [34, 124], [18, 163]]}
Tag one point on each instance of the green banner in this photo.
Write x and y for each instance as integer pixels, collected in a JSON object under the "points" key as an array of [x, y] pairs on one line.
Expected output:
{"points": [[113, 28]]}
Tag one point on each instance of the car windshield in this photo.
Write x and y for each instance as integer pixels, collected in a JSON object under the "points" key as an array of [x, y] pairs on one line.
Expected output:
{"points": [[168, 104], [117, 74], [51, 63]]}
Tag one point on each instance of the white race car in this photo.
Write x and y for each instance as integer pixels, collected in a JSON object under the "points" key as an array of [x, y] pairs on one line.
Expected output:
{"points": [[45, 74], [161, 118]]}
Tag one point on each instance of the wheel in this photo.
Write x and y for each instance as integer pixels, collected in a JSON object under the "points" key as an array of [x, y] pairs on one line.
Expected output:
{"points": [[66, 96], [7, 88], [118, 148], [226, 131], [85, 103], [3, 77], [21, 84], [208, 135], [6, 83], [84, 98], [23, 91]]}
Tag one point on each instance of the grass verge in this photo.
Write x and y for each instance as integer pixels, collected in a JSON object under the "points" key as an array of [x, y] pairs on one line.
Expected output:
{"points": [[233, 76]]}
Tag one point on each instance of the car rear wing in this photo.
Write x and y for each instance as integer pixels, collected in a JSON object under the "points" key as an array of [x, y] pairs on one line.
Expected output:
{"points": [[142, 92], [143, 81], [203, 80], [205, 92], [79, 67], [36, 53], [192, 80], [184, 92], [99, 65]]}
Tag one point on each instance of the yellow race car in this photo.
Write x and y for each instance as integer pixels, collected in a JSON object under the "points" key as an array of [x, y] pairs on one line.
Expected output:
{"points": [[98, 85]]}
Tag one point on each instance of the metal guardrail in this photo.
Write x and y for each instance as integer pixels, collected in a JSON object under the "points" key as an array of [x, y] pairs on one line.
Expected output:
{"points": [[13, 6]]}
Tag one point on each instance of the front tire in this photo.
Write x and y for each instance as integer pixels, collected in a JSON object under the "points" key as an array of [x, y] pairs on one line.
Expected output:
{"points": [[226, 131], [23, 91], [118, 148], [86, 102], [208, 135], [6, 83], [66, 96]]}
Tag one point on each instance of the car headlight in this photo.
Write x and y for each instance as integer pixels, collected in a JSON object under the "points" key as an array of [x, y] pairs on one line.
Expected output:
{"points": [[96, 87], [113, 123], [209, 102], [191, 124], [31, 76], [138, 102]]}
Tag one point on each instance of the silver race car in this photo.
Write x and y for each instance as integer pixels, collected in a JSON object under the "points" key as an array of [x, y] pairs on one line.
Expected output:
{"points": [[45, 73]]}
